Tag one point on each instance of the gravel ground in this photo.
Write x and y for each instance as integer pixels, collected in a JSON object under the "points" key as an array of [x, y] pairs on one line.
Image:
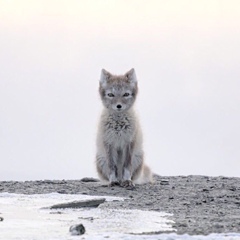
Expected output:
{"points": [[200, 204]]}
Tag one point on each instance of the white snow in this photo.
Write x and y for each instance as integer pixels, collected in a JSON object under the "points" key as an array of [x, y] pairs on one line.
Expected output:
{"points": [[26, 218]]}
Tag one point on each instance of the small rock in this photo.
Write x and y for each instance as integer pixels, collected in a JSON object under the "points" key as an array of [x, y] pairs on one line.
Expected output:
{"points": [[87, 218], [77, 229], [218, 226], [233, 188], [48, 181], [155, 209], [58, 212], [182, 225], [1, 219], [131, 188], [164, 182], [220, 213], [88, 179], [62, 191], [149, 203], [84, 193]]}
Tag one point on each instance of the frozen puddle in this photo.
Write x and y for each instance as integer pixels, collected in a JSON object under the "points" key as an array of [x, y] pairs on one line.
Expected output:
{"points": [[25, 218]]}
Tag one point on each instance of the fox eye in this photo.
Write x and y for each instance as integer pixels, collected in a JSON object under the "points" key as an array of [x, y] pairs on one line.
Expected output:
{"points": [[126, 94], [110, 95]]}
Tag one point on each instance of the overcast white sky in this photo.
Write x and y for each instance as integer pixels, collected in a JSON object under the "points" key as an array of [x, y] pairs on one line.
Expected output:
{"points": [[186, 55]]}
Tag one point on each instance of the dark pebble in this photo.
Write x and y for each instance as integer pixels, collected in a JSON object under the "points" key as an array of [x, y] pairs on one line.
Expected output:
{"points": [[164, 182], [78, 229], [88, 179], [62, 191]]}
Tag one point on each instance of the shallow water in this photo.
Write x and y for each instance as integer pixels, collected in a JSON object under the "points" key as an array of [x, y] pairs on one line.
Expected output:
{"points": [[26, 217]]}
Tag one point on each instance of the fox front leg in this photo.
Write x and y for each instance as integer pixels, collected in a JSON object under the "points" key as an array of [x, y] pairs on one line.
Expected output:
{"points": [[127, 169], [112, 158]]}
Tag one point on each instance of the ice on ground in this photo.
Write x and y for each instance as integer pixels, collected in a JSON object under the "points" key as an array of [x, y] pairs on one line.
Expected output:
{"points": [[26, 217]]}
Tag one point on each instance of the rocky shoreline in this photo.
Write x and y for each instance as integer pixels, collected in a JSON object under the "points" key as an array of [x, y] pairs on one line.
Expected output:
{"points": [[199, 204]]}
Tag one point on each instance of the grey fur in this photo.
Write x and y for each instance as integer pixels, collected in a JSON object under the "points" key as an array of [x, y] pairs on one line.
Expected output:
{"points": [[120, 155]]}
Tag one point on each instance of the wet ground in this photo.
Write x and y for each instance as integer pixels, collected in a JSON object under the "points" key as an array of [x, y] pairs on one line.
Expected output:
{"points": [[199, 204]]}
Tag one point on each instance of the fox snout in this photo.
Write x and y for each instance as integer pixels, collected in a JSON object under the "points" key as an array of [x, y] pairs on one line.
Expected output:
{"points": [[118, 107]]}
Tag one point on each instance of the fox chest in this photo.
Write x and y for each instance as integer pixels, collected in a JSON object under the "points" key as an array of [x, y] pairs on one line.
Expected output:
{"points": [[119, 132]]}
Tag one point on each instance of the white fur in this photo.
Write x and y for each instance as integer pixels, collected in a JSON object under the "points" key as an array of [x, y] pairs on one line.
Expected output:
{"points": [[132, 75], [104, 77], [121, 132]]}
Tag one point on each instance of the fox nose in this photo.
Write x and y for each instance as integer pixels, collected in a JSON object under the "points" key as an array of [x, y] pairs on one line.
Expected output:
{"points": [[119, 106]]}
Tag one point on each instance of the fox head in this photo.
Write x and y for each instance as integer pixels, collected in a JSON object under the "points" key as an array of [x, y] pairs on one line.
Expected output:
{"points": [[118, 92]]}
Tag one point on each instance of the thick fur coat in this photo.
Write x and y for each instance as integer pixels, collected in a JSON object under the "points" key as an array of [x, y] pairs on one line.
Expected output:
{"points": [[120, 156]]}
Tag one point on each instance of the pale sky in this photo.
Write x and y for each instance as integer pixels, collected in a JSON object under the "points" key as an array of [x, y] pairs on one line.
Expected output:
{"points": [[186, 55]]}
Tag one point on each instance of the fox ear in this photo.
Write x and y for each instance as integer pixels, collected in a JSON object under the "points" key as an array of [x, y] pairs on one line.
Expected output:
{"points": [[131, 75], [105, 75]]}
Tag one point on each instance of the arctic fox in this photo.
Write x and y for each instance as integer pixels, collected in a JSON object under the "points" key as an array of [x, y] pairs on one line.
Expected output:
{"points": [[119, 158]]}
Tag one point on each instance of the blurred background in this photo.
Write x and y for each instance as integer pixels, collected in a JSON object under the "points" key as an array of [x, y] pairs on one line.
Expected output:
{"points": [[186, 55]]}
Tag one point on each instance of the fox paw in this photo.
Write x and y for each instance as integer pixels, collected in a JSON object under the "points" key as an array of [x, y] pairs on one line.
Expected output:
{"points": [[114, 183], [128, 184]]}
